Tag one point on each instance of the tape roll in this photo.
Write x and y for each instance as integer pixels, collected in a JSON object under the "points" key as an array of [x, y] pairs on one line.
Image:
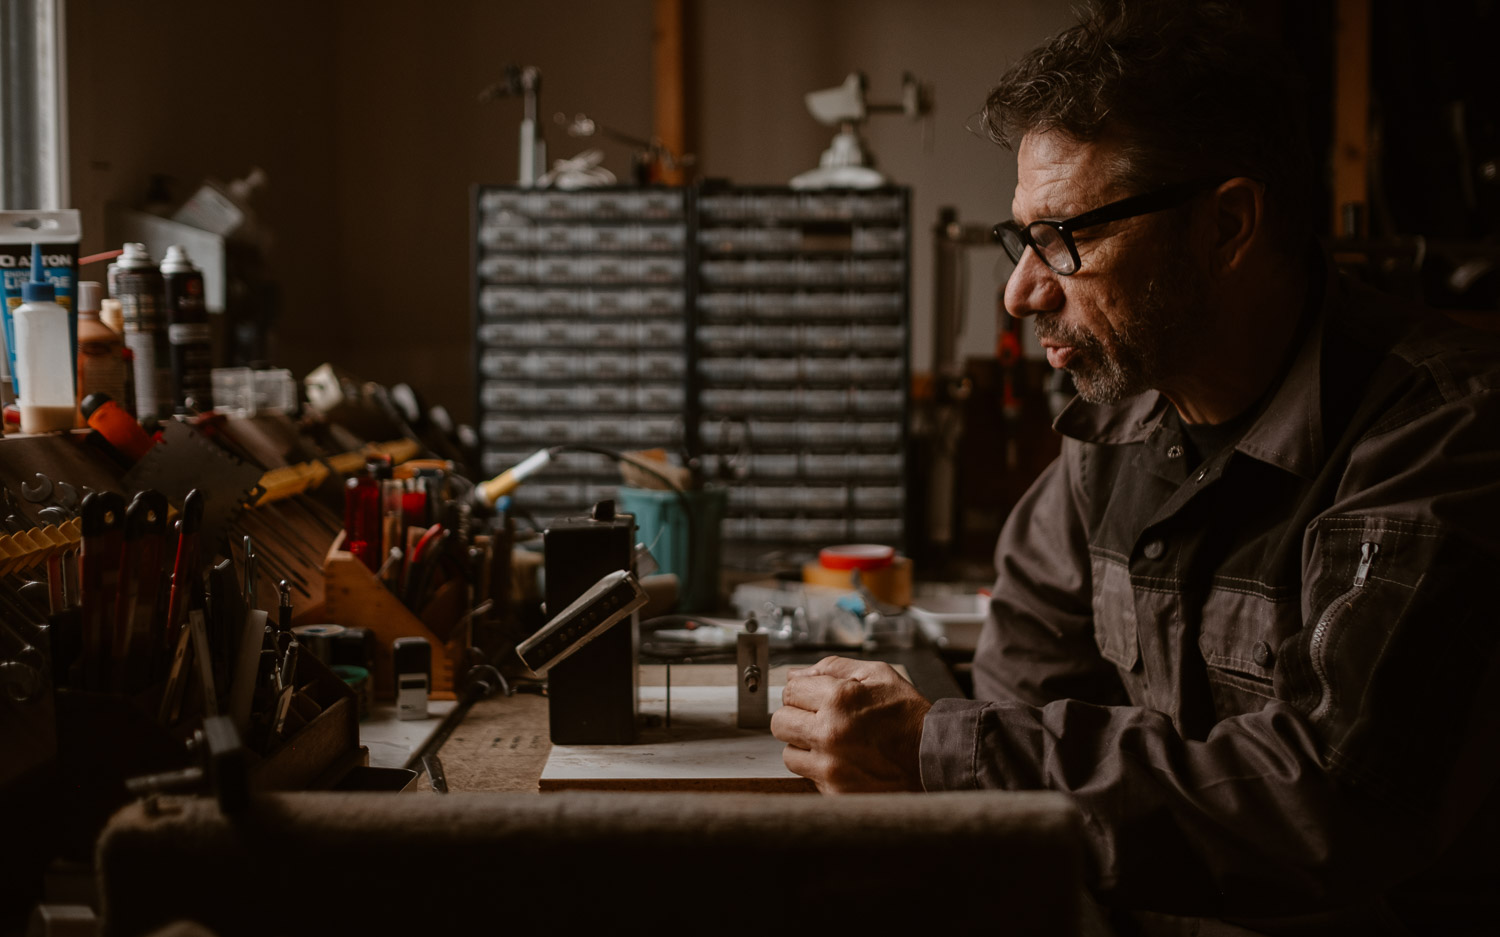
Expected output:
{"points": [[862, 556], [318, 639], [888, 584], [357, 679]]}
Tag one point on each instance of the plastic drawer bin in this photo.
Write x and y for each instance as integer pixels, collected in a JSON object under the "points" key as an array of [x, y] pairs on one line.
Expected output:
{"points": [[824, 498], [723, 370], [773, 432], [828, 370], [774, 465], [722, 435], [507, 237], [774, 371], [659, 397], [660, 367], [604, 397], [820, 465], [505, 269], [824, 433], [877, 530]]}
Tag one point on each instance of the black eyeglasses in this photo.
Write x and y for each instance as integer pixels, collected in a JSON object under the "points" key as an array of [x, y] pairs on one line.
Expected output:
{"points": [[1053, 240]]}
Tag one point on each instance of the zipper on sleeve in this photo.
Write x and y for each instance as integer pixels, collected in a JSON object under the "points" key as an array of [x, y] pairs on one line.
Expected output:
{"points": [[1367, 551]]}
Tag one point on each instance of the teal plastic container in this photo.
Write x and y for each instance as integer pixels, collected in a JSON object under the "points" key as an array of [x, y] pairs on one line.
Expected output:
{"points": [[663, 526]]}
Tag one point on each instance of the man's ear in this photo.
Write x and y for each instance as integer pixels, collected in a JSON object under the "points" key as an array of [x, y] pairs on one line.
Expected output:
{"points": [[1239, 207]]}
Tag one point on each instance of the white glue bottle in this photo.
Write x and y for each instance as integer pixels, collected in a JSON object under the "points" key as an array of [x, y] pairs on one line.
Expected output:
{"points": [[43, 369]]}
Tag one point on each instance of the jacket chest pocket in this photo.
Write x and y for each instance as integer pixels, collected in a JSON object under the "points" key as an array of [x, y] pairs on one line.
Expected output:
{"points": [[1244, 625], [1115, 628]]}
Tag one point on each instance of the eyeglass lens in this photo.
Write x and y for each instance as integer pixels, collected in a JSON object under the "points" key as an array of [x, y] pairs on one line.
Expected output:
{"points": [[1049, 243], [1052, 247]]}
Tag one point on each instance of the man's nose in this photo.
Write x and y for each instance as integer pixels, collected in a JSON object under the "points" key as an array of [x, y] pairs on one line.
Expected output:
{"points": [[1032, 287]]}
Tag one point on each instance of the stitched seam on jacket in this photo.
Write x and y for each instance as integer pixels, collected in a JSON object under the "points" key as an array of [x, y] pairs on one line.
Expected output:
{"points": [[1104, 553], [1254, 587], [974, 752], [1269, 593], [1157, 584]]}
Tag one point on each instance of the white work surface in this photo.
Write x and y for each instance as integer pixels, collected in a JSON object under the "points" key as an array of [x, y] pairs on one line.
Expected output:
{"points": [[702, 749], [391, 740]]}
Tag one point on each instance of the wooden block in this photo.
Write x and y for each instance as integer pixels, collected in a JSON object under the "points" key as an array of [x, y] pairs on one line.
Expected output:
{"points": [[356, 599], [702, 750]]}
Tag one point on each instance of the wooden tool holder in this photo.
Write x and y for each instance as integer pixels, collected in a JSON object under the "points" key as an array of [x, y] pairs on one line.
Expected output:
{"points": [[324, 749], [105, 739], [355, 598]]}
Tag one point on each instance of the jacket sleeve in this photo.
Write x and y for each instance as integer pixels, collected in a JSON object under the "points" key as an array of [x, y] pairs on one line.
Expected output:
{"points": [[1375, 758], [1038, 642]]}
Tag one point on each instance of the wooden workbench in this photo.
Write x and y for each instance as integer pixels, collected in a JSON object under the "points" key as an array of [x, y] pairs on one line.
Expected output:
{"points": [[503, 744]]}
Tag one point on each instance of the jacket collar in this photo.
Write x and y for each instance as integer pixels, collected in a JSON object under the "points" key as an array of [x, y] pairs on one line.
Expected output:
{"points": [[1288, 432]]}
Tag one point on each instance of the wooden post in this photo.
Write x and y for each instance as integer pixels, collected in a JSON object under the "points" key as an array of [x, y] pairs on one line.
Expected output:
{"points": [[1351, 114], [667, 60]]}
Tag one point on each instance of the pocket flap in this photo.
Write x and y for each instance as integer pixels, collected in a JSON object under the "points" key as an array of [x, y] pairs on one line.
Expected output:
{"points": [[1114, 613]]}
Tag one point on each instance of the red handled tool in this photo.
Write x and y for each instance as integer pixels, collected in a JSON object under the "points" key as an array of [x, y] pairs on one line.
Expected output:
{"points": [[186, 568], [137, 637]]}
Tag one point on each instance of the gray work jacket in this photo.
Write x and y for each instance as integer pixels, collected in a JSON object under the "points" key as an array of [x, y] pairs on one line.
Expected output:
{"points": [[1269, 681]]}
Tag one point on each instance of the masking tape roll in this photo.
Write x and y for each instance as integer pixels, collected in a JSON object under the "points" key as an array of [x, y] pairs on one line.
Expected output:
{"points": [[889, 584], [318, 639], [357, 679]]}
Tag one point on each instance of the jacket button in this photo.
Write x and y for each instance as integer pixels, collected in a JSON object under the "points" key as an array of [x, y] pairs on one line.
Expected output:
{"points": [[1262, 654], [1154, 550]]}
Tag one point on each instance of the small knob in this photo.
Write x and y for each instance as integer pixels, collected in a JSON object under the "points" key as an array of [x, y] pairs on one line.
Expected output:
{"points": [[752, 678]]}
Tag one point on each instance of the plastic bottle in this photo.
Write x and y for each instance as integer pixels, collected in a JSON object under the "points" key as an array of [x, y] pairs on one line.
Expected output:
{"points": [[48, 402], [188, 332], [113, 318], [362, 516], [101, 352], [224, 209]]}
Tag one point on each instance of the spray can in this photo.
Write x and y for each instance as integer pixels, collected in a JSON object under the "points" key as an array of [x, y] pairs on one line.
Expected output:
{"points": [[101, 353], [41, 326], [138, 287], [187, 332]]}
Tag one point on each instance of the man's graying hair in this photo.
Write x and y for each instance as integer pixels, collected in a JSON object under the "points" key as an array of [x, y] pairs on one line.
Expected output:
{"points": [[1189, 91]]}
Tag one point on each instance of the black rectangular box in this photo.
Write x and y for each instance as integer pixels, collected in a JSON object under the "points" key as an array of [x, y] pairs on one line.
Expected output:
{"points": [[592, 696]]}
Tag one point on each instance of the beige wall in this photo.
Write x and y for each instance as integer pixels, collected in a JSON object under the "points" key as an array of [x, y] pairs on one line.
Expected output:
{"points": [[364, 115]]}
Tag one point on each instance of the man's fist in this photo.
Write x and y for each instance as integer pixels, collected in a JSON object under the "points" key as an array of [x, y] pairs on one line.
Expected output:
{"points": [[852, 725]]}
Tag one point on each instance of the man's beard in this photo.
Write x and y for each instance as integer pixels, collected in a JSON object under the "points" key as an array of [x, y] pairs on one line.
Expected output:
{"points": [[1142, 347]]}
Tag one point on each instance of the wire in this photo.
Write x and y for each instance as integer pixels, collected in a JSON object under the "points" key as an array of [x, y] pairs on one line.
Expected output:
{"points": [[690, 561]]}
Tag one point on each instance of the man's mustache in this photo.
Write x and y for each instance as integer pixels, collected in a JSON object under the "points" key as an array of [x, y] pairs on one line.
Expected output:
{"points": [[1055, 332]]}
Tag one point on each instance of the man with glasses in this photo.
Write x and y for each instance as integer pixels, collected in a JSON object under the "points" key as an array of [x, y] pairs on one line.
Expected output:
{"points": [[1245, 619]]}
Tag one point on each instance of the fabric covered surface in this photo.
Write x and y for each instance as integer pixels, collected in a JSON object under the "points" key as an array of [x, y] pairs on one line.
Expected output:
{"points": [[318, 863], [501, 745]]}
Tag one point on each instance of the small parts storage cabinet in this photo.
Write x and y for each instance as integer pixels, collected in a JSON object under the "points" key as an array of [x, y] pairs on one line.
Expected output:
{"points": [[765, 329]]}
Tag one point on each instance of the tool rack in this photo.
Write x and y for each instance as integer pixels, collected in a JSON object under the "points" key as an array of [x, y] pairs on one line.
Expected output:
{"points": [[763, 328]]}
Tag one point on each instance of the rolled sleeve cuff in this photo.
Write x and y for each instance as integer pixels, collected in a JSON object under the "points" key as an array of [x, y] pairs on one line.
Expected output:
{"points": [[949, 753]]}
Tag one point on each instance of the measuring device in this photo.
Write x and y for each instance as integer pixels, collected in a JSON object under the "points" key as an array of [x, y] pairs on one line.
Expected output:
{"points": [[613, 597]]}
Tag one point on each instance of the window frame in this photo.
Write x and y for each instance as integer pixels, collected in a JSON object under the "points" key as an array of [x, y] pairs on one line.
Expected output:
{"points": [[33, 105]]}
